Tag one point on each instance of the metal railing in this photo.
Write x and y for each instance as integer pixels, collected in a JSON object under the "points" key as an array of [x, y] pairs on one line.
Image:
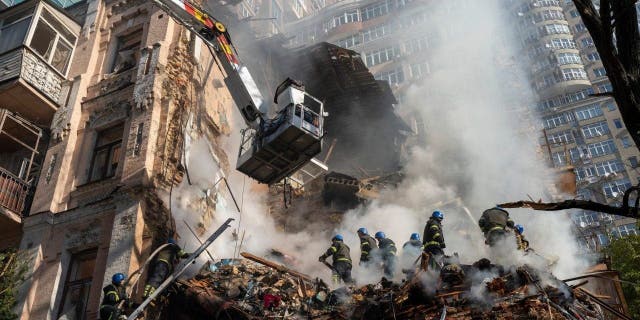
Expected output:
{"points": [[13, 192]]}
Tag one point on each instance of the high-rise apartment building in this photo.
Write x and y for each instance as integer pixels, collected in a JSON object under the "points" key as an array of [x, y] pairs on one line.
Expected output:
{"points": [[580, 130]]}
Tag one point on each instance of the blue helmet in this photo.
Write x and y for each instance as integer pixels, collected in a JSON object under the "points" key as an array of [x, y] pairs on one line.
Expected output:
{"points": [[438, 215], [171, 240], [519, 228], [414, 236], [118, 278], [380, 235], [338, 237], [363, 230]]}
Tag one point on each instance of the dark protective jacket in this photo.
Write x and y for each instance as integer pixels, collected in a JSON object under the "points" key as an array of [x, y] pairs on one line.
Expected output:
{"points": [[339, 251], [433, 235], [387, 247], [495, 219], [170, 255], [367, 245], [113, 294]]}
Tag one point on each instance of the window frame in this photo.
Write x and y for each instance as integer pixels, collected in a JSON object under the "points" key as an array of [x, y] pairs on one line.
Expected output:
{"points": [[83, 255], [109, 147]]}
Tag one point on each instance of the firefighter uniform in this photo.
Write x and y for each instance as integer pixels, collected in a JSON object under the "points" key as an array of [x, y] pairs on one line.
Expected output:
{"points": [[388, 254], [493, 224], [433, 237], [367, 245], [162, 267], [341, 261], [523, 244], [113, 295]]}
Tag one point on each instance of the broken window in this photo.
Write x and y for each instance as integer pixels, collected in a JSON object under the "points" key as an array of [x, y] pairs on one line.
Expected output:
{"points": [[77, 285], [107, 153], [53, 42], [127, 51]]}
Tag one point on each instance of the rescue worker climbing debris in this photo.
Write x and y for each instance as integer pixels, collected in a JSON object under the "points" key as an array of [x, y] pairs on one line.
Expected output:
{"points": [[387, 253], [523, 244], [367, 246], [341, 267], [494, 223], [162, 265], [114, 294], [433, 239]]}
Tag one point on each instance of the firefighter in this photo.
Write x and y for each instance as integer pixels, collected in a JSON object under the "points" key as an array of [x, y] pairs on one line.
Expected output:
{"points": [[433, 239], [523, 244], [162, 265], [494, 223], [367, 245], [387, 253], [341, 267], [114, 294], [413, 247]]}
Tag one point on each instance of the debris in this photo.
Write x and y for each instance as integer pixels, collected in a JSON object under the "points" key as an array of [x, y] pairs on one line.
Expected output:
{"points": [[256, 288]]}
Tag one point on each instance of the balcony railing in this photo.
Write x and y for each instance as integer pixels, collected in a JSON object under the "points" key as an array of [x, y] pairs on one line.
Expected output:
{"points": [[13, 192]]}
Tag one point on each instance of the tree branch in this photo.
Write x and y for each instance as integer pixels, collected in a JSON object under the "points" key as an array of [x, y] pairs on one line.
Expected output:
{"points": [[624, 211]]}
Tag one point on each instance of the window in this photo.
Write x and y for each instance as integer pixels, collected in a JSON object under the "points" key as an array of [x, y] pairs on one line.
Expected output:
{"points": [[376, 10], [555, 120], [585, 173], [380, 56], [127, 51], [595, 129], [615, 188], [559, 159], [568, 58], [609, 167], [395, 76], [599, 72], [574, 74], [52, 41], [376, 33], [611, 106], [77, 285], [107, 153], [633, 162], [580, 27], [601, 148], [627, 230], [346, 17], [563, 43], [605, 87], [556, 29], [574, 13], [587, 42], [585, 217], [588, 112], [617, 123], [419, 70], [594, 56], [603, 239], [561, 137], [350, 42], [14, 29], [416, 45], [626, 142]]}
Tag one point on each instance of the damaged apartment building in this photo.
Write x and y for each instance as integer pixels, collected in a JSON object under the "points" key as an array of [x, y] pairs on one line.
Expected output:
{"points": [[96, 99]]}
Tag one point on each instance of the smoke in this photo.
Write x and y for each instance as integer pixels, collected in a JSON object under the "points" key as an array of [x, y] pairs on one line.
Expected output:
{"points": [[477, 153]]}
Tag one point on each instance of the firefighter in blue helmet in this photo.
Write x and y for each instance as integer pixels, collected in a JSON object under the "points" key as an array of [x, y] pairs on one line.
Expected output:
{"points": [[413, 247], [114, 294], [433, 239], [341, 267], [367, 246], [162, 265], [387, 252]]}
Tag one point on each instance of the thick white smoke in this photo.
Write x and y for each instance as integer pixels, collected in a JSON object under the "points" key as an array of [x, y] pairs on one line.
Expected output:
{"points": [[474, 156]]}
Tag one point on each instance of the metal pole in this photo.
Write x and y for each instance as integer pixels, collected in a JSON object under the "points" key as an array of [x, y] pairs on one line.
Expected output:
{"points": [[200, 241], [182, 267]]}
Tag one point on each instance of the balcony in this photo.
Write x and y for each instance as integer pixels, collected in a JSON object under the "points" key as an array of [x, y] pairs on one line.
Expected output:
{"points": [[20, 142], [36, 46]]}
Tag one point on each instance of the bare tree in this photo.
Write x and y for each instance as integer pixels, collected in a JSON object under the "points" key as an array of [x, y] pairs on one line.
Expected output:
{"points": [[614, 29]]}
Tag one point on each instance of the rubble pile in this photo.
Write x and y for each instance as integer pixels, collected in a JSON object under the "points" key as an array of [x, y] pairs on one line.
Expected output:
{"points": [[244, 289]]}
